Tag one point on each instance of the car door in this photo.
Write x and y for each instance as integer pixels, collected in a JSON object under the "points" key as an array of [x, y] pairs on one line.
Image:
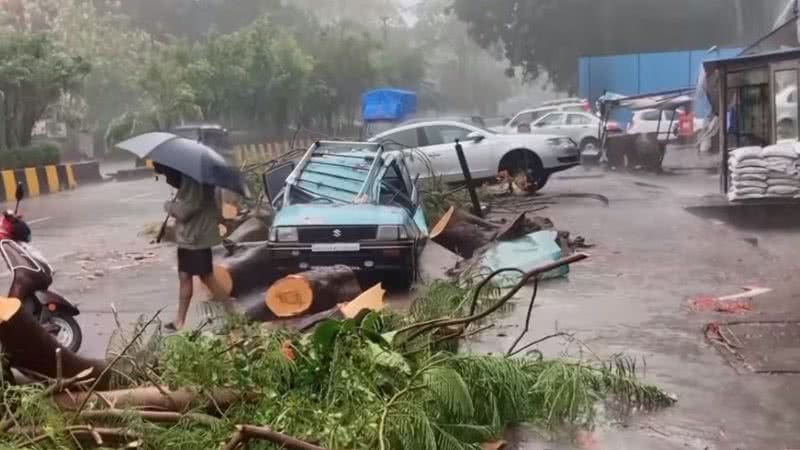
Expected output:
{"points": [[578, 127], [408, 140], [549, 124], [416, 211], [441, 151]]}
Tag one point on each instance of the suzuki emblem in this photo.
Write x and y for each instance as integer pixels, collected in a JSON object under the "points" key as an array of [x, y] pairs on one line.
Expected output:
{"points": [[337, 233]]}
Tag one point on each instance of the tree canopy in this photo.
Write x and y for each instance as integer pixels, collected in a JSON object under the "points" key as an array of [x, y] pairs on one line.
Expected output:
{"points": [[34, 73], [548, 36]]}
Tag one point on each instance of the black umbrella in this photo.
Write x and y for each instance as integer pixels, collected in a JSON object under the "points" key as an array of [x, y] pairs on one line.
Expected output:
{"points": [[187, 156]]}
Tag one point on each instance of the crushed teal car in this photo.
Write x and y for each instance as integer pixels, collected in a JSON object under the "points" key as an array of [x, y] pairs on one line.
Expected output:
{"points": [[350, 203]]}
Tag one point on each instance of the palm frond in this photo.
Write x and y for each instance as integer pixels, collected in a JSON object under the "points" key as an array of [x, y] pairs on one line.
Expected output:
{"points": [[450, 392]]}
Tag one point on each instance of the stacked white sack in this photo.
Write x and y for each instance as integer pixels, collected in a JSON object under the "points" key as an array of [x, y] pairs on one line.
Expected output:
{"points": [[748, 174], [783, 178], [772, 172]]}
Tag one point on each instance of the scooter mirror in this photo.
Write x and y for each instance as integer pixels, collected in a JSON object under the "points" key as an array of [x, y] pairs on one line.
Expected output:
{"points": [[20, 193]]}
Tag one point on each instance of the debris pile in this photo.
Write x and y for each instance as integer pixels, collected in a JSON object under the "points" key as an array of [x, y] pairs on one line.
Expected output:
{"points": [[352, 377]]}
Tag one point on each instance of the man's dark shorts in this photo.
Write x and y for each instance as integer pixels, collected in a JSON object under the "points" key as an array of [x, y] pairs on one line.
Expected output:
{"points": [[195, 262]]}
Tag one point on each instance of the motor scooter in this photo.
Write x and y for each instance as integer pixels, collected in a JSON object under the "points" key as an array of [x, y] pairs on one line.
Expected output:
{"points": [[32, 276]]}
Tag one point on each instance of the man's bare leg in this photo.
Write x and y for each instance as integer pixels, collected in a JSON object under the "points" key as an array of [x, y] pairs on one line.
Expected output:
{"points": [[217, 292], [184, 299]]}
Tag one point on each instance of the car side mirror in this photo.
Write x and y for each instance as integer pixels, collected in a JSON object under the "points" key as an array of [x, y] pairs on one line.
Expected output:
{"points": [[19, 194], [275, 179], [524, 128], [475, 137]]}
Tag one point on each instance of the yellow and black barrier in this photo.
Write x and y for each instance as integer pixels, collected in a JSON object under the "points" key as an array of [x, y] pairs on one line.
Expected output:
{"points": [[257, 153], [48, 179]]}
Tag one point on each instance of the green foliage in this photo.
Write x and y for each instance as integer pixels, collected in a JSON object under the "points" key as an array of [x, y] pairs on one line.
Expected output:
{"points": [[538, 36], [34, 73], [36, 155], [346, 387]]}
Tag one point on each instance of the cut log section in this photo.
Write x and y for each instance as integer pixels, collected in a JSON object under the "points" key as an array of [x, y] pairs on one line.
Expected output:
{"points": [[465, 234], [312, 292], [370, 300], [249, 272], [229, 211], [28, 346], [223, 279]]}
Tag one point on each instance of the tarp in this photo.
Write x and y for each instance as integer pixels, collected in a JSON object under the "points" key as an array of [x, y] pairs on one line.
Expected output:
{"points": [[388, 105], [526, 254], [668, 100]]}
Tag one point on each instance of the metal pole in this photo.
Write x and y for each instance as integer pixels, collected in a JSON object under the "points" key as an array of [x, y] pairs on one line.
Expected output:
{"points": [[473, 195]]}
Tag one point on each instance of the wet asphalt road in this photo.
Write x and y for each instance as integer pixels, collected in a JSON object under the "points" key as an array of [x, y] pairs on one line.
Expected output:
{"points": [[631, 297]]}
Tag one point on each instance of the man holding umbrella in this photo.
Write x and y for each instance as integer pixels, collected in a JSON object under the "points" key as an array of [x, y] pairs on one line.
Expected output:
{"points": [[195, 170], [196, 210]]}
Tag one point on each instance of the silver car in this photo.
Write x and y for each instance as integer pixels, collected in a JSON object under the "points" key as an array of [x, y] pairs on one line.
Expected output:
{"points": [[582, 128]]}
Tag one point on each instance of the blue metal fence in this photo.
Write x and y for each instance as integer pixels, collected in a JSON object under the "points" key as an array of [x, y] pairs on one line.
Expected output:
{"points": [[640, 73]]}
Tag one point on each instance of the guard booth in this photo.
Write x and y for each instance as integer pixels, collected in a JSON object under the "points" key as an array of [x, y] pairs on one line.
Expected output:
{"points": [[755, 100]]}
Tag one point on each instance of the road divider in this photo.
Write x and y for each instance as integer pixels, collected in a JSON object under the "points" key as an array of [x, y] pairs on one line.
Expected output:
{"points": [[48, 179], [258, 153]]}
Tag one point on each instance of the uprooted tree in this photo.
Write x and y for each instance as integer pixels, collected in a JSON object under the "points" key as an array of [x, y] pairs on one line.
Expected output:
{"points": [[354, 377]]}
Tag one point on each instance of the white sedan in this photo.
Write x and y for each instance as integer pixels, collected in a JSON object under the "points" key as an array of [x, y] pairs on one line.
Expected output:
{"points": [[488, 154]]}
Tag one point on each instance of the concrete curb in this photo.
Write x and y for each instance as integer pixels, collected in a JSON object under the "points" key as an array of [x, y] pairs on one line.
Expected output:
{"points": [[133, 174], [48, 179]]}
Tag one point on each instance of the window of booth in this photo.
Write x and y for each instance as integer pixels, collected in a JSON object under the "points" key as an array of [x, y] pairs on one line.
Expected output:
{"points": [[749, 113], [785, 92]]}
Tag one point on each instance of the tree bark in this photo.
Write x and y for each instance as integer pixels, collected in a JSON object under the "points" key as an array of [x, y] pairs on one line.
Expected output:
{"points": [[250, 272], [307, 293], [150, 398], [28, 346], [465, 234]]}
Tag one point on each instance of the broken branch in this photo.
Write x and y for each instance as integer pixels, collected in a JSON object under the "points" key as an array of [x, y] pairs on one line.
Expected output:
{"points": [[246, 432]]}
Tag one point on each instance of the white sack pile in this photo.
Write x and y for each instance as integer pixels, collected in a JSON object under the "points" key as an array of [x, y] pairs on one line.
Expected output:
{"points": [[764, 172]]}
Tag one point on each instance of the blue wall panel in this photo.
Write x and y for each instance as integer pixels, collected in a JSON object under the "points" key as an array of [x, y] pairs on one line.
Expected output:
{"points": [[644, 72]]}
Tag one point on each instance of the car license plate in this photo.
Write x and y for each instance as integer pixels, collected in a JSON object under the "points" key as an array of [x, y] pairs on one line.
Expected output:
{"points": [[336, 247]]}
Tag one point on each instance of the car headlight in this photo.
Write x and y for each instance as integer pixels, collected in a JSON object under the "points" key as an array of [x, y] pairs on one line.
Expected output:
{"points": [[561, 142], [283, 234], [391, 233]]}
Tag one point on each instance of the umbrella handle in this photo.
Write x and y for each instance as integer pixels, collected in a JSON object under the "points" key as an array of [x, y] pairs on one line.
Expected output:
{"points": [[163, 230]]}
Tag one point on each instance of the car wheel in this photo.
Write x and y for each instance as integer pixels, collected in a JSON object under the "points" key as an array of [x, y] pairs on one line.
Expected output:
{"points": [[590, 145], [525, 169]]}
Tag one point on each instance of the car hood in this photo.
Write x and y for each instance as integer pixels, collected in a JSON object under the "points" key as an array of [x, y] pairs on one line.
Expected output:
{"points": [[339, 214]]}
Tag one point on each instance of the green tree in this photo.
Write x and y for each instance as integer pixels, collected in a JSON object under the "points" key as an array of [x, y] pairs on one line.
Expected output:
{"points": [[548, 36], [34, 73]]}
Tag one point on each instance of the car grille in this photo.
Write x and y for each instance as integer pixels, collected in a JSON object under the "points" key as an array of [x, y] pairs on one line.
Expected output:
{"points": [[336, 234]]}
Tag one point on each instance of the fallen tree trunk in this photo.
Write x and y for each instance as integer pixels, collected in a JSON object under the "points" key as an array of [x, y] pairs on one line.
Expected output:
{"points": [[369, 300], [307, 293], [29, 347], [249, 272], [465, 234], [152, 398]]}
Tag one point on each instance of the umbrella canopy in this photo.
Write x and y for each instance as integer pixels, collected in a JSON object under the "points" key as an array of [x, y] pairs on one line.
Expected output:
{"points": [[187, 156]]}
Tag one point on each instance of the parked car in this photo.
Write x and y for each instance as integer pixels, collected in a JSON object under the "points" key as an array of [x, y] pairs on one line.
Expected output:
{"points": [[583, 128], [474, 120], [522, 121], [488, 153], [351, 203], [647, 121]]}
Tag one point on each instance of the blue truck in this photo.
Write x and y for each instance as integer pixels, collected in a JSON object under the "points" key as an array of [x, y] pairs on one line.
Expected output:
{"points": [[385, 108]]}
